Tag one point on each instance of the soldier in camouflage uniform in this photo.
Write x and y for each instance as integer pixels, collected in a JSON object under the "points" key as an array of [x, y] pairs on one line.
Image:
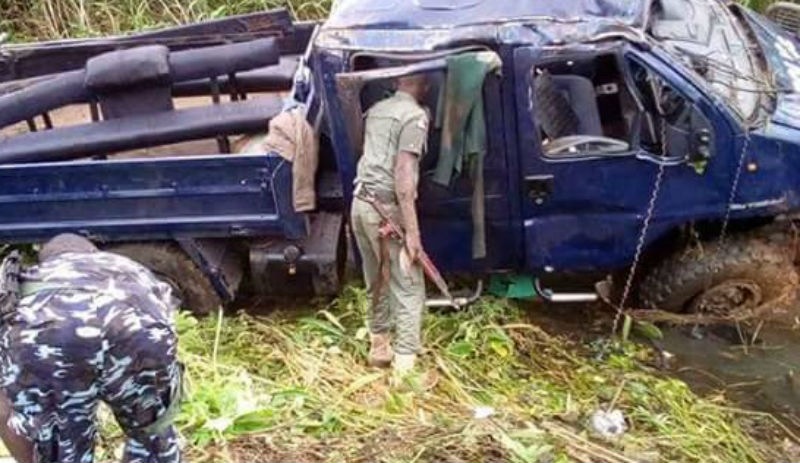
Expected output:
{"points": [[395, 138], [89, 326]]}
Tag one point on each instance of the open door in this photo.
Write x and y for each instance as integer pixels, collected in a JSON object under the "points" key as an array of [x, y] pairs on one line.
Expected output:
{"points": [[445, 212]]}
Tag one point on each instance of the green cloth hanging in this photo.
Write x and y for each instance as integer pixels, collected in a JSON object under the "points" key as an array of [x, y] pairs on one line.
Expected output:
{"points": [[464, 132]]}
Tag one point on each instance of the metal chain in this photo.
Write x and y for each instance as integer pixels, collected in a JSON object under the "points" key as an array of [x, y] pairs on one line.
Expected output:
{"points": [[734, 187], [731, 198], [651, 207], [651, 210]]}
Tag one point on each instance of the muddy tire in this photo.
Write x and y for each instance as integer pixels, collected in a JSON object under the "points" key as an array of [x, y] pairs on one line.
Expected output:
{"points": [[169, 262], [742, 278]]}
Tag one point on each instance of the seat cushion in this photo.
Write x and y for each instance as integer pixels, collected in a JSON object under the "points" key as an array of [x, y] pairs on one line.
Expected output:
{"points": [[579, 92], [127, 68], [553, 110]]}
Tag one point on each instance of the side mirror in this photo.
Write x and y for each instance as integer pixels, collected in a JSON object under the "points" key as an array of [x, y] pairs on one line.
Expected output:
{"points": [[700, 147], [700, 150]]}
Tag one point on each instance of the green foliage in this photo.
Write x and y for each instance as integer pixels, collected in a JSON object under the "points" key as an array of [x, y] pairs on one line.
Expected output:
{"points": [[291, 383], [29, 20], [758, 5]]}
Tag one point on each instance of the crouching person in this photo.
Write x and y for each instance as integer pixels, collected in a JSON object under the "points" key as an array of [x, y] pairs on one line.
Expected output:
{"points": [[88, 326]]}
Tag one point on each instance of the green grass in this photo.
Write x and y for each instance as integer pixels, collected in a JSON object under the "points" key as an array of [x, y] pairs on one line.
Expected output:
{"points": [[28, 20], [295, 387], [758, 5]]}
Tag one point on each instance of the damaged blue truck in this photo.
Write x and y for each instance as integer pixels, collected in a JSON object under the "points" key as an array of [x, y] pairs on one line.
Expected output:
{"points": [[656, 143]]}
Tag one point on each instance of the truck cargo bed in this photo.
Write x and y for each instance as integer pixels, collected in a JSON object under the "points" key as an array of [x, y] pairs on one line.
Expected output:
{"points": [[204, 196]]}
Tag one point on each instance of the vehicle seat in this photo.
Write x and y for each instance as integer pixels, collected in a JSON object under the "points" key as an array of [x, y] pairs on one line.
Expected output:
{"points": [[131, 82], [566, 105]]}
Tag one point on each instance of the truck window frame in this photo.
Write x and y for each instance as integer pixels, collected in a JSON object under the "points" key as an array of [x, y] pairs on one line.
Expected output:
{"points": [[636, 149]]}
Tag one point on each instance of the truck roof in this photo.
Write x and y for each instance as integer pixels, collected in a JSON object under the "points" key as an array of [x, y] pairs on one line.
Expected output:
{"points": [[444, 14]]}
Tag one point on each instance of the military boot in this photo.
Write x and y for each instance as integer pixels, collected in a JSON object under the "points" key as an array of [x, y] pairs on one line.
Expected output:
{"points": [[380, 350]]}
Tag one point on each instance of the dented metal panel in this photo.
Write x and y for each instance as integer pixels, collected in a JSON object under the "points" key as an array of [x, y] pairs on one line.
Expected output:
{"points": [[438, 14]]}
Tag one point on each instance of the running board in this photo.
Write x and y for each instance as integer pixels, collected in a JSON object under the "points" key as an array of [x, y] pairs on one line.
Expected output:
{"points": [[551, 296], [546, 294]]}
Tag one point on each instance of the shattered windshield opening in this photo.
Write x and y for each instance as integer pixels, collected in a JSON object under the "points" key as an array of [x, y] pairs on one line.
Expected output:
{"points": [[706, 37]]}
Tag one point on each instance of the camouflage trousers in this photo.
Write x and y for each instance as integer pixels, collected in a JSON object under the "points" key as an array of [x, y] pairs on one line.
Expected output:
{"points": [[64, 351], [402, 299]]}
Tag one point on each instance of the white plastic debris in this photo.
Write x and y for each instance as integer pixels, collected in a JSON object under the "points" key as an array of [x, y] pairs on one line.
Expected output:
{"points": [[609, 424], [481, 413], [335, 350]]}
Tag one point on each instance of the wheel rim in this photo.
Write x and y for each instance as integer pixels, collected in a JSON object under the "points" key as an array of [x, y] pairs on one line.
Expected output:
{"points": [[728, 297]]}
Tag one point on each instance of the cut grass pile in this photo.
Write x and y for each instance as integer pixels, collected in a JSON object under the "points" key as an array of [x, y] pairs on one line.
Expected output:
{"points": [[293, 387]]}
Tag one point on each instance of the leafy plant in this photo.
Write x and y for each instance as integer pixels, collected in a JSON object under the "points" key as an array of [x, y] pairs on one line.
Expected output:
{"points": [[294, 387], [28, 20]]}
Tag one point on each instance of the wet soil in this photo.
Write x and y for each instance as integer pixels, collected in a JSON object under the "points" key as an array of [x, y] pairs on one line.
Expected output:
{"points": [[757, 370], [755, 366]]}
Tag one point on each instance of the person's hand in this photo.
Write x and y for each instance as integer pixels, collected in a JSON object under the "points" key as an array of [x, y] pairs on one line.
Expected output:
{"points": [[413, 247]]}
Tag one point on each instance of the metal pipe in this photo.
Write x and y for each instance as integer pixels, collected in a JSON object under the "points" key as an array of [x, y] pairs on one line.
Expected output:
{"points": [[69, 87], [456, 302], [42, 96], [439, 303], [550, 296], [572, 297]]}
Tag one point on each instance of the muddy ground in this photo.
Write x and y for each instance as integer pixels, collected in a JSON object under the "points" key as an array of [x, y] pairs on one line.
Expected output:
{"points": [[754, 365]]}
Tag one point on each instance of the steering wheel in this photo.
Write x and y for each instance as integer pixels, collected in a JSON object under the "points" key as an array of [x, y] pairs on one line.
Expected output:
{"points": [[585, 144]]}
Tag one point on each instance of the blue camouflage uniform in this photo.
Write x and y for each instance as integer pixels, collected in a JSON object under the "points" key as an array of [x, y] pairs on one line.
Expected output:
{"points": [[92, 327]]}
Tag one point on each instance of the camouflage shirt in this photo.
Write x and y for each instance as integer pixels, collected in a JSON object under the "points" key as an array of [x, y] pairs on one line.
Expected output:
{"points": [[91, 327], [118, 278]]}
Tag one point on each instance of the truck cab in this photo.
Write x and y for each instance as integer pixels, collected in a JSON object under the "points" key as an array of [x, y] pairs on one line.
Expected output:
{"points": [[615, 129]]}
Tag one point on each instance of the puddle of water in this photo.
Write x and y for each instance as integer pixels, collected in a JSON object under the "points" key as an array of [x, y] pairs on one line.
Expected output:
{"points": [[763, 376]]}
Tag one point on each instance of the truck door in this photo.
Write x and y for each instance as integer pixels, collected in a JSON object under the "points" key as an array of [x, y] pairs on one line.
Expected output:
{"points": [[445, 212], [595, 127]]}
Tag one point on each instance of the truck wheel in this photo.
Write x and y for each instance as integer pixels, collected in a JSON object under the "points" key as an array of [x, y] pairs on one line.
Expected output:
{"points": [[171, 264], [734, 279]]}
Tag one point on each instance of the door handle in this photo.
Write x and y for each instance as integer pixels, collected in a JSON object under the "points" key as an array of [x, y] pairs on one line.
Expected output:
{"points": [[539, 187]]}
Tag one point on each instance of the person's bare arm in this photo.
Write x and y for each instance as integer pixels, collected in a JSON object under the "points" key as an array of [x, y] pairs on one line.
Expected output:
{"points": [[405, 174]]}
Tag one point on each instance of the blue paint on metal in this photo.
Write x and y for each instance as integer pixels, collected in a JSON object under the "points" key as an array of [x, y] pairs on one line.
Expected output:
{"points": [[446, 213], [516, 240], [418, 14], [204, 196], [592, 219], [589, 222]]}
